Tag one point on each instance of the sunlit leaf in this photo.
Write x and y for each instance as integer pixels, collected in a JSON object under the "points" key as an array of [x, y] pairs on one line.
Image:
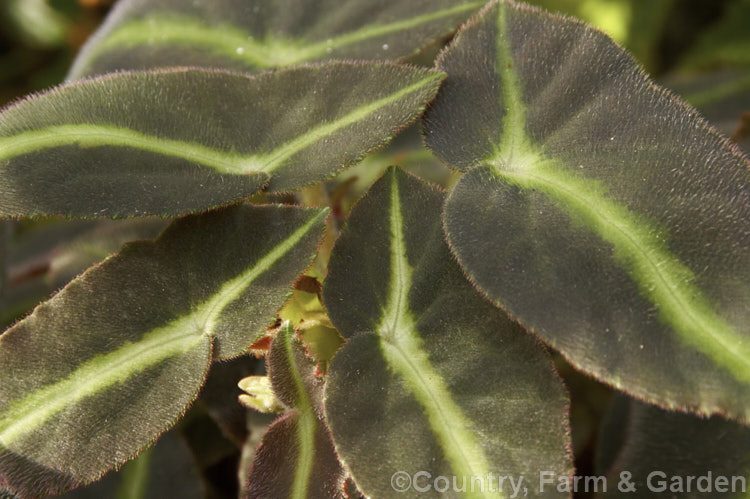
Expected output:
{"points": [[295, 457], [110, 362], [166, 470], [182, 140], [251, 36], [432, 378], [666, 453], [599, 210]]}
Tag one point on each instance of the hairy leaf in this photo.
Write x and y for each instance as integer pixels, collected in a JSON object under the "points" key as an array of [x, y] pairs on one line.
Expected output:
{"points": [[663, 446], [251, 36], [598, 209], [98, 371], [182, 140], [295, 458], [166, 470], [432, 377]]}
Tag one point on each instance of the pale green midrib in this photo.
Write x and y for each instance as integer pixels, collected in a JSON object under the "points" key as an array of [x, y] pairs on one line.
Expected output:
{"points": [[401, 347], [444, 416], [107, 135], [227, 163], [368, 32], [135, 477], [397, 303], [211, 310], [237, 44], [28, 413], [280, 154], [678, 304], [307, 422], [513, 139], [517, 158]]}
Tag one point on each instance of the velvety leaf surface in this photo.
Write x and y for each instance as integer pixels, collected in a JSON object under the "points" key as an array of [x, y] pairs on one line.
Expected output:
{"points": [[295, 457], [598, 209], [97, 372], [432, 378], [182, 140], [250, 36], [670, 447], [166, 470]]}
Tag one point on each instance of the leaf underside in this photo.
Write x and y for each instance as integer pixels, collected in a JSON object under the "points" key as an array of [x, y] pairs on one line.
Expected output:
{"points": [[181, 140], [295, 458], [600, 211], [112, 360], [264, 34], [427, 360]]}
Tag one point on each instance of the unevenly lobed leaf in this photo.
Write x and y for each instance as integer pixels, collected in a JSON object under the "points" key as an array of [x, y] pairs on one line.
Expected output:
{"points": [[432, 378], [110, 362], [182, 140], [600, 211], [264, 34], [295, 458]]}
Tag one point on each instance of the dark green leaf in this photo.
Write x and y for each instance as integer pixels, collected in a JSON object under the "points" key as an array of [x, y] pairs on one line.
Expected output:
{"points": [[250, 36], [182, 140], [101, 369], [166, 470], [666, 453], [599, 210], [295, 457], [432, 377]]}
